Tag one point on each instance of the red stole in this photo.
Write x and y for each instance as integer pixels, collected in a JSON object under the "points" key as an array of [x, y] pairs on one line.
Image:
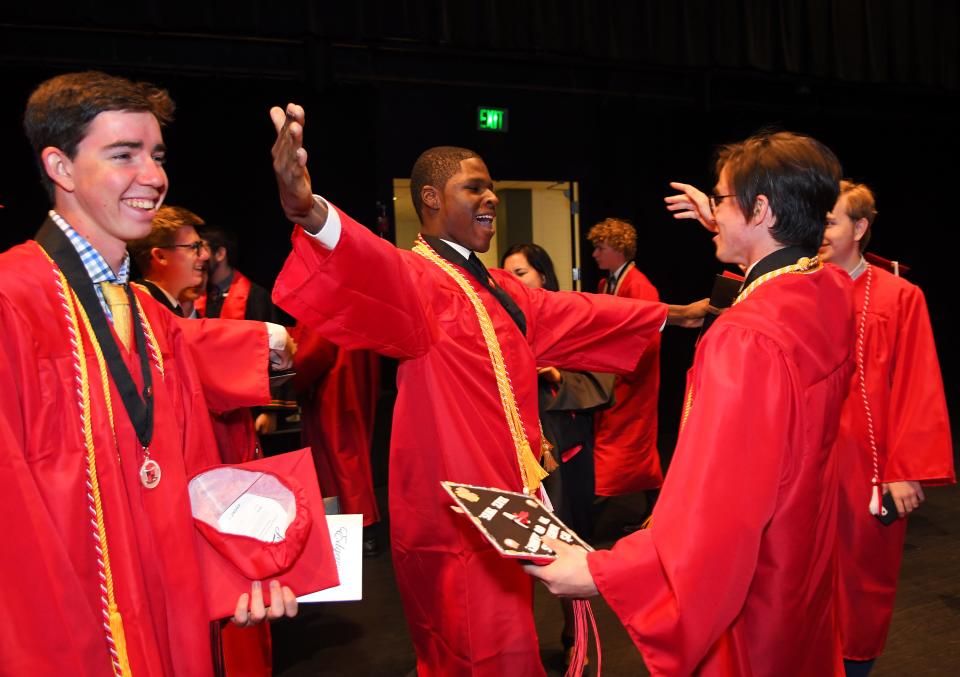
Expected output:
{"points": [[234, 301]]}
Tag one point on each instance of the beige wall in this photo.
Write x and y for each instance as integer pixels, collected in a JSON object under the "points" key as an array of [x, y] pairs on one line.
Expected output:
{"points": [[551, 230]]}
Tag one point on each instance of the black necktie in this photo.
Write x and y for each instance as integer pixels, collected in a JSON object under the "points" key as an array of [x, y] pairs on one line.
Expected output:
{"points": [[479, 271], [611, 284]]}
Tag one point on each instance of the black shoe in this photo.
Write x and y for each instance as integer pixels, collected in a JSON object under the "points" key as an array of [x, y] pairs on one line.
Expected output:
{"points": [[371, 545]]}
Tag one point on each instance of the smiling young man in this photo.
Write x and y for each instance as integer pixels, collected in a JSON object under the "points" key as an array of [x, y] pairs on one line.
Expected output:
{"points": [[172, 258], [899, 387], [735, 575], [104, 407], [469, 342]]}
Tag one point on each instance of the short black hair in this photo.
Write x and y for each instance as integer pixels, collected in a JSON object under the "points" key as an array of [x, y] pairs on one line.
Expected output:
{"points": [[60, 109], [799, 175], [218, 237], [539, 260], [434, 168]]}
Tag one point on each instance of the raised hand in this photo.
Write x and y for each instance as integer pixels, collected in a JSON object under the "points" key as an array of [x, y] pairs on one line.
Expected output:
{"points": [[290, 168], [691, 203]]}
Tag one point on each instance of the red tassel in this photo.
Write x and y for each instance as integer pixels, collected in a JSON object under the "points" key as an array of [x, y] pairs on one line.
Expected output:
{"points": [[581, 638]]}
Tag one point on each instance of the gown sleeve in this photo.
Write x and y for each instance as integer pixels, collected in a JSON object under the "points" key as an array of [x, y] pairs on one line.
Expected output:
{"points": [[590, 332], [918, 430], [362, 294], [232, 358]]}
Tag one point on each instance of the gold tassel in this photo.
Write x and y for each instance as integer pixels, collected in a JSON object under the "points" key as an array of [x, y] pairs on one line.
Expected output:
{"points": [[533, 471], [119, 639]]}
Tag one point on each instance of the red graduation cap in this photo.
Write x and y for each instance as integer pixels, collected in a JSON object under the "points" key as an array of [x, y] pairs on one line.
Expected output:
{"points": [[894, 267], [257, 521]]}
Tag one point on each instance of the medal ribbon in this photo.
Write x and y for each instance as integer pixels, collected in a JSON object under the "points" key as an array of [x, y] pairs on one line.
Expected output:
{"points": [[531, 471], [139, 406]]}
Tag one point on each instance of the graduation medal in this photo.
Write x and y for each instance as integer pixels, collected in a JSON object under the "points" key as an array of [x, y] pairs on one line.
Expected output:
{"points": [[149, 471]]}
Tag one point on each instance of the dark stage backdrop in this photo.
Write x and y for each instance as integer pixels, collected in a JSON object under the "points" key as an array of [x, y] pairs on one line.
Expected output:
{"points": [[621, 97]]}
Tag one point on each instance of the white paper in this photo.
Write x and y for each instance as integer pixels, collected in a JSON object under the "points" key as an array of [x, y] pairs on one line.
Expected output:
{"points": [[346, 537], [255, 516]]}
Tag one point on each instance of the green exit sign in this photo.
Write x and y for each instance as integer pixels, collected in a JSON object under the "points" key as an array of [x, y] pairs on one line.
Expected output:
{"points": [[492, 119]]}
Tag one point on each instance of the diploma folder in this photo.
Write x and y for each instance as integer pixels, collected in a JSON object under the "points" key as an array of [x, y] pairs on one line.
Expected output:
{"points": [[513, 522], [726, 288], [302, 558]]}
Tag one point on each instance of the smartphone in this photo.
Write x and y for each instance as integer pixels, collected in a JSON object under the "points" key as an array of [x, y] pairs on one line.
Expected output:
{"points": [[888, 510]]}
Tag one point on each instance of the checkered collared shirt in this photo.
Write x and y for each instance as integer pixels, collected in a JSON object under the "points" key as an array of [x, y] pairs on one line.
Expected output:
{"points": [[95, 264]]}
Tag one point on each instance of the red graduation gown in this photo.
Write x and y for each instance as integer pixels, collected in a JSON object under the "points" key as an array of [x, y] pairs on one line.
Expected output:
{"points": [[469, 611], [625, 451], [53, 623], [735, 576], [338, 398], [912, 433]]}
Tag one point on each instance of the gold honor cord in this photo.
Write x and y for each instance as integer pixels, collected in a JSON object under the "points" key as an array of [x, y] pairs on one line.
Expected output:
{"points": [[530, 470], [113, 622], [803, 265]]}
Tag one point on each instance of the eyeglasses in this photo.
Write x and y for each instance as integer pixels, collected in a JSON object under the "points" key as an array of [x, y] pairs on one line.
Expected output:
{"points": [[197, 246], [716, 200]]}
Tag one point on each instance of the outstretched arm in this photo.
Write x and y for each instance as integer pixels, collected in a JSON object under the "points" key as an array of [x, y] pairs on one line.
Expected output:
{"points": [[290, 168]]}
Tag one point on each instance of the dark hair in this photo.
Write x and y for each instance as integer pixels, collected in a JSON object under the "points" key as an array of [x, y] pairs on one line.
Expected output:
{"points": [[539, 260], [861, 204], [434, 168], [799, 176], [60, 110], [163, 231], [218, 237]]}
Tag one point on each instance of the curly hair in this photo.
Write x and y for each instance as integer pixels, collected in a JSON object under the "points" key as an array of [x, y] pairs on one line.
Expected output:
{"points": [[618, 234], [861, 204], [60, 110]]}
